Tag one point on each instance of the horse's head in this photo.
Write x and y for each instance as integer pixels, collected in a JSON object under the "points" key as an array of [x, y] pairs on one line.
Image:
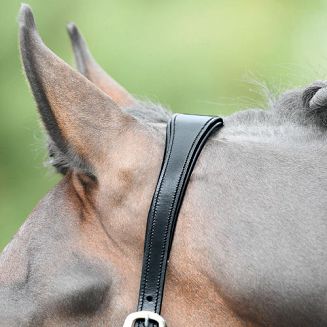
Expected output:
{"points": [[76, 261], [77, 257]]}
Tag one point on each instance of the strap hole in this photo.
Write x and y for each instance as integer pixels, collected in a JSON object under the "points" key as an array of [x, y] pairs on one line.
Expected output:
{"points": [[149, 298]]}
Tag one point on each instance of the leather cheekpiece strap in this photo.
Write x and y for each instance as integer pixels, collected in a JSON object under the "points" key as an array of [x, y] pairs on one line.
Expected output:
{"points": [[186, 136]]}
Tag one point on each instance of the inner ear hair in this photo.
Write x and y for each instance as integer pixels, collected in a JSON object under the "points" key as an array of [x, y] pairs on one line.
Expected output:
{"points": [[64, 162]]}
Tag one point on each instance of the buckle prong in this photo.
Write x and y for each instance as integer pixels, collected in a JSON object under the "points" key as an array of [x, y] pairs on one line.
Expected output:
{"points": [[146, 321]]}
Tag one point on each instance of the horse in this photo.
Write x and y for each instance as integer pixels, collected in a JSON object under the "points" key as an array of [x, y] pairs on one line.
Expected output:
{"points": [[250, 247]]}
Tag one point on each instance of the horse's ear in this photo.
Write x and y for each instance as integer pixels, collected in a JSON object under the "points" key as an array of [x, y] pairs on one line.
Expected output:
{"points": [[82, 121], [87, 66]]}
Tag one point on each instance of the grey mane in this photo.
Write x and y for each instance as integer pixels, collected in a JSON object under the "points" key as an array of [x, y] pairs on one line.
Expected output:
{"points": [[296, 116], [302, 107]]}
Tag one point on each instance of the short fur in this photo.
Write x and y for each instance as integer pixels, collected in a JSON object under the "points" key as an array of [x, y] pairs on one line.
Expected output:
{"points": [[251, 239]]}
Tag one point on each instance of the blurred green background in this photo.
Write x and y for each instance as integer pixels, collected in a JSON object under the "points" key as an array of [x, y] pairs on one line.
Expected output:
{"points": [[193, 56]]}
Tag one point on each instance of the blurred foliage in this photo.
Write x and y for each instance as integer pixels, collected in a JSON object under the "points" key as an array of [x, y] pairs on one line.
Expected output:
{"points": [[194, 56]]}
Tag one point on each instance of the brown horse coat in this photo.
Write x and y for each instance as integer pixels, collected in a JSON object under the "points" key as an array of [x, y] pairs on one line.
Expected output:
{"points": [[251, 241]]}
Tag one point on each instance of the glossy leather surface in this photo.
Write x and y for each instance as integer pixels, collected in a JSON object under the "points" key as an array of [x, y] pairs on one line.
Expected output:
{"points": [[186, 136]]}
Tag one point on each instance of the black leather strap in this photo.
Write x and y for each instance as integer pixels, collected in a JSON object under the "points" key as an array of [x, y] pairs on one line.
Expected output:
{"points": [[186, 136]]}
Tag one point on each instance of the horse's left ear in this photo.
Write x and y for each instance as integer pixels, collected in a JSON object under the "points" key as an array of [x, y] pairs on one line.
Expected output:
{"points": [[83, 123], [87, 66]]}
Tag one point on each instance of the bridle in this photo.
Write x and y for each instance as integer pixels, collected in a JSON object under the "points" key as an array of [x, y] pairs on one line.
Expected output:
{"points": [[185, 138]]}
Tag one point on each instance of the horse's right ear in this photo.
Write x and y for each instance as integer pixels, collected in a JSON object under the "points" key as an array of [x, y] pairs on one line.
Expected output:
{"points": [[83, 123], [87, 66]]}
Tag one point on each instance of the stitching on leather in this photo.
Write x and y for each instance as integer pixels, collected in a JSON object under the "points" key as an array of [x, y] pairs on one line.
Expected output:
{"points": [[156, 203], [171, 208]]}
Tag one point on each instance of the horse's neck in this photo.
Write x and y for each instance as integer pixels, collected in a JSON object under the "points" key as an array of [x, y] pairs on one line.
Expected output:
{"points": [[261, 177], [258, 217]]}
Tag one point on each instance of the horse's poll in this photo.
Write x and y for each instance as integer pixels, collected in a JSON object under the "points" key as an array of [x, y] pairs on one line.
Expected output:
{"points": [[185, 138]]}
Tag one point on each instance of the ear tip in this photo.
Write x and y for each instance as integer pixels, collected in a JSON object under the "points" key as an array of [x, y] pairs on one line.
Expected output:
{"points": [[26, 18], [71, 28], [73, 32], [78, 43]]}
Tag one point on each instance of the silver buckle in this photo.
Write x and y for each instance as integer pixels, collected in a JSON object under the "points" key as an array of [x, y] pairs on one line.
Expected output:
{"points": [[147, 316]]}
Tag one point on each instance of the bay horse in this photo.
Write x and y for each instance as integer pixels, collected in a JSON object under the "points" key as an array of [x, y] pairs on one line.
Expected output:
{"points": [[251, 242]]}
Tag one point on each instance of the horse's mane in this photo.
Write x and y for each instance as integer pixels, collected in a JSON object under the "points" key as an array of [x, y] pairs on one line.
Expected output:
{"points": [[303, 106], [297, 115]]}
